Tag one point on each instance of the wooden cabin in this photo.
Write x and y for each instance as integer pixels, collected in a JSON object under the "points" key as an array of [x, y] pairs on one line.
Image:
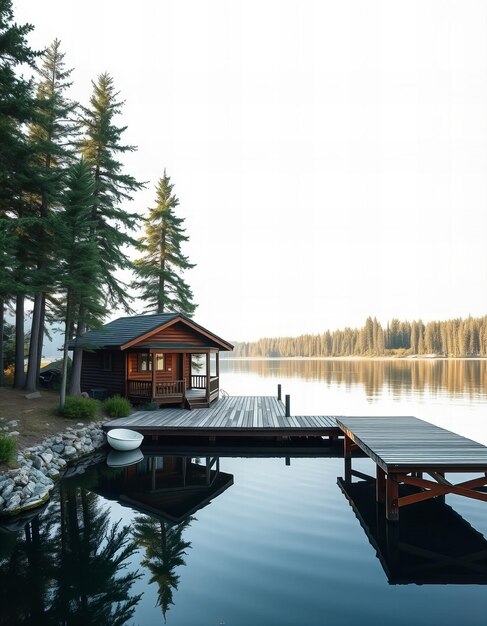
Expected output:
{"points": [[165, 358]]}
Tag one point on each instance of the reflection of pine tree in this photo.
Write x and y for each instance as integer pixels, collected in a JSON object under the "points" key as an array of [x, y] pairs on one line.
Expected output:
{"points": [[92, 553], [26, 573], [164, 550]]}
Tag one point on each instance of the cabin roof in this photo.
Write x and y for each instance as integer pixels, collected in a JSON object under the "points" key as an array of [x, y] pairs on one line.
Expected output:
{"points": [[124, 331]]}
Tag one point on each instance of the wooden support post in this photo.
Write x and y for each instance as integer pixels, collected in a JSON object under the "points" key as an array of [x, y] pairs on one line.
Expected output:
{"points": [[347, 447], [348, 470], [288, 405], [207, 376], [288, 460], [392, 496], [380, 485], [279, 391], [183, 469], [152, 361]]}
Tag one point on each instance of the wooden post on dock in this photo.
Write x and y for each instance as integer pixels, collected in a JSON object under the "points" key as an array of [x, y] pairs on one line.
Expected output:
{"points": [[288, 405], [279, 391]]}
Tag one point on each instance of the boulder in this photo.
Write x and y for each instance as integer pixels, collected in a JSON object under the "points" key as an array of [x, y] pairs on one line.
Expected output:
{"points": [[34, 395]]}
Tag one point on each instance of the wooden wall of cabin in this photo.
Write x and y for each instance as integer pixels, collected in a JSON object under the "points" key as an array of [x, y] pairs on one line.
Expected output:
{"points": [[180, 334], [94, 374], [170, 371]]}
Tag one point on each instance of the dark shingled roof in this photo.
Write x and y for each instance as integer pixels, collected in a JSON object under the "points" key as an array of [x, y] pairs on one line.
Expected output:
{"points": [[126, 329]]}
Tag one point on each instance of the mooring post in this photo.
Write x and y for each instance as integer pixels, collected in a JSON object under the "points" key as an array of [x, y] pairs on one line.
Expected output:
{"points": [[288, 405], [279, 391], [288, 460]]}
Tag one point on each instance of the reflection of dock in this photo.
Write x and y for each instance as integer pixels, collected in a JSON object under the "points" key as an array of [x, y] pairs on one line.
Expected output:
{"points": [[169, 487], [234, 416], [432, 544]]}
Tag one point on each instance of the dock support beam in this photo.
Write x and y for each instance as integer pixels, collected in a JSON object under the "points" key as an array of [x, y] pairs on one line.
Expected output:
{"points": [[392, 496], [279, 391], [380, 485], [288, 405]]}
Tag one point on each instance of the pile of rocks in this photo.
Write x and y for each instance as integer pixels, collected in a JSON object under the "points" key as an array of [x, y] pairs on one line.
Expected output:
{"points": [[29, 486]]}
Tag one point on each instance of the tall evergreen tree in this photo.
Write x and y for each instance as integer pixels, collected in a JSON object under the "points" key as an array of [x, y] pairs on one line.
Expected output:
{"points": [[16, 109], [101, 147], [159, 270], [80, 266], [52, 139]]}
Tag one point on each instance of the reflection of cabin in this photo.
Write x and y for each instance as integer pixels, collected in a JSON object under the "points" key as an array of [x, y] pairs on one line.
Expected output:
{"points": [[431, 543], [165, 358], [168, 487]]}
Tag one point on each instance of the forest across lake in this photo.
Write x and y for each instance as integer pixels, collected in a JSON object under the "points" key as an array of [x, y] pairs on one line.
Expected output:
{"points": [[450, 338]]}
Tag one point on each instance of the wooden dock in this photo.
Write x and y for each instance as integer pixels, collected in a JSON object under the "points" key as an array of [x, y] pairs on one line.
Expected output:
{"points": [[234, 416], [404, 448]]}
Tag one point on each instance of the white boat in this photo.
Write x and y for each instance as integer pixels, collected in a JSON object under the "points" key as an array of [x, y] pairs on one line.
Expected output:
{"points": [[116, 458], [124, 439]]}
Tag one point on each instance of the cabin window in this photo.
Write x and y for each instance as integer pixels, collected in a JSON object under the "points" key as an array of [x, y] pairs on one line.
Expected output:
{"points": [[144, 362], [107, 364]]}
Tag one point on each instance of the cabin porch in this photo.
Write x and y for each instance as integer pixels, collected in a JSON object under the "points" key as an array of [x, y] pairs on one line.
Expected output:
{"points": [[168, 378]]}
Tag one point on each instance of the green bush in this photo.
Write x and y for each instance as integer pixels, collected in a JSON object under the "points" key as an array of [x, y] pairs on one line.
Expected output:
{"points": [[8, 447], [116, 406], [77, 407]]}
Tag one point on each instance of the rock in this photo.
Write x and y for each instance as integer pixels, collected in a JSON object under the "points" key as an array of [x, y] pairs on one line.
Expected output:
{"points": [[41, 491], [34, 395], [69, 451], [85, 394], [2, 502], [46, 457], [22, 478], [14, 433], [61, 462], [12, 424], [78, 445], [37, 462], [69, 436], [53, 474], [8, 490], [13, 504], [58, 448]]}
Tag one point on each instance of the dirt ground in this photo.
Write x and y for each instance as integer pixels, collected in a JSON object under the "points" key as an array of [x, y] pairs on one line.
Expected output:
{"points": [[36, 418]]}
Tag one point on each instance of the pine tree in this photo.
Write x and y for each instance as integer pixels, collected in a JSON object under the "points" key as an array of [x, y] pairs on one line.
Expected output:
{"points": [[160, 269], [16, 109], [51, 136], [80, 257], [100, 147]]}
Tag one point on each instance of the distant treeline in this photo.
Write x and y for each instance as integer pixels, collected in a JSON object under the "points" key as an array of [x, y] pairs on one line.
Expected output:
{"points": [[455, 338]]}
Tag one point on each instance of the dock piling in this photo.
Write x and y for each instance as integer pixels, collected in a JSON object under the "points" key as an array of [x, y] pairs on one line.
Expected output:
{"points": [[279, 391], [288, 405]]}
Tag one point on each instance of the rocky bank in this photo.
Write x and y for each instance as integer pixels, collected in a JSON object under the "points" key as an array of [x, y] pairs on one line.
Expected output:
{"points": [[41, 465]]}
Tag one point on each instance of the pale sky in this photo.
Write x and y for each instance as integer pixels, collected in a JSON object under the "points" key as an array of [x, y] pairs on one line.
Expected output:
{"points": [[330, 157]]}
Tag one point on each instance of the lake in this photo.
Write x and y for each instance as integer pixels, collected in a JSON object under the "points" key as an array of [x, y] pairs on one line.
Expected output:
{"points": [[265, 541]]}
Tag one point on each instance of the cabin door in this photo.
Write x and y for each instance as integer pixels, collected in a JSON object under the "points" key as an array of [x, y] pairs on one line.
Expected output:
{"points": [[180, 366]]}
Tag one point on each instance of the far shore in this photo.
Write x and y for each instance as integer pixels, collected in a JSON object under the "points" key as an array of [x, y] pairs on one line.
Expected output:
{"points": [[410, 357]]}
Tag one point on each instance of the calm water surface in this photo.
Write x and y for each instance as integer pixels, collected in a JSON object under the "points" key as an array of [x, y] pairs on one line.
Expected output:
{"points": [[267, 541]]}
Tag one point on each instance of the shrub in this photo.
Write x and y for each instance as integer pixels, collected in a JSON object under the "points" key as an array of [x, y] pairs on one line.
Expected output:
{"points": [[116, 406], [8, 447], [76, 407]]}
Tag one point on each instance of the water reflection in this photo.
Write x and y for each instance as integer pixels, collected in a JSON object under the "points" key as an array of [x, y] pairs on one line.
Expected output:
{"points": [[431, 544], [397, 376], [69, 564]]}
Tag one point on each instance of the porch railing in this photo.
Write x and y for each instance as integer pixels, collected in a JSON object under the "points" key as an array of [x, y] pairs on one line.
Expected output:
{"points": [[170, 388], [163, 389], [198, 381]]}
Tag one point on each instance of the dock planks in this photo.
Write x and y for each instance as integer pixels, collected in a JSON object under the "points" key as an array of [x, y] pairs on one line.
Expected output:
{"points": [[231, 416], [404, 448]]}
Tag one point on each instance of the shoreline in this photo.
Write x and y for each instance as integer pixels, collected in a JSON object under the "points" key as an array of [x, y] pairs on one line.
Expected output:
{"points": [[410, 357]]}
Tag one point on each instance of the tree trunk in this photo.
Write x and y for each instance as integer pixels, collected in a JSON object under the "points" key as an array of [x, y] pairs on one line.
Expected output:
{"points": [[31, 380], [19, 376], [75, 389], [64, 377], [2, 344], [41, 335]]}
